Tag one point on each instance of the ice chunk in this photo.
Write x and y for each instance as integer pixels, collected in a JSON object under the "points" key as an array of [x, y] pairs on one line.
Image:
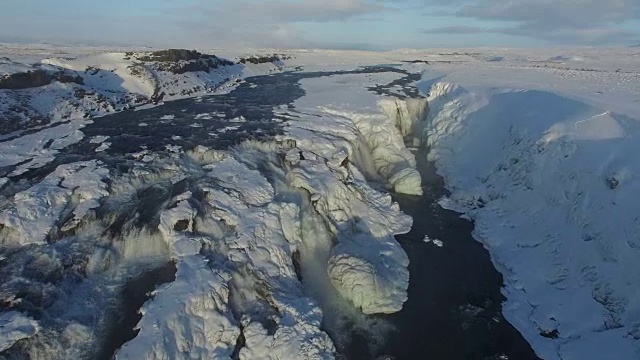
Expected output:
{"points": [[435, 242], [15, 326]]}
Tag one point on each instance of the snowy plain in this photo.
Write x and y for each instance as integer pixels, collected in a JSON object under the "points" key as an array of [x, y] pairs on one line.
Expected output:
{"points": [[538, 147]]}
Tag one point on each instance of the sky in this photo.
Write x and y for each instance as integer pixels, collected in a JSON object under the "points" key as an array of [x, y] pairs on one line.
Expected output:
{"points": [[338, 24]]}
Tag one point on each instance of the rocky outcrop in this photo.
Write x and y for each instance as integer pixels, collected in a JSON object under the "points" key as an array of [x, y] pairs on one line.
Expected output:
{"points": [[180, 61], [69, 77], [172, 55], [36, 78], [263, 59], [25, 80]]}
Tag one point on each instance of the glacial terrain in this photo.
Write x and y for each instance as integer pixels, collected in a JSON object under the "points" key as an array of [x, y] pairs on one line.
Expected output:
{"points": [[178, 204]]}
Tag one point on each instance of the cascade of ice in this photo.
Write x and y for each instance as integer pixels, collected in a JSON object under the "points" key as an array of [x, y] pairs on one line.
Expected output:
{"points": [[409, 116], [384, 134]]}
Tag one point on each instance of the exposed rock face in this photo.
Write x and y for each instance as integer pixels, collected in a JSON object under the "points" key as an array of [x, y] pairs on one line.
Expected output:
{"points": [[263, 59], [36, 78], [173, 55], [64, 77], [180, 61], [25, 80]]}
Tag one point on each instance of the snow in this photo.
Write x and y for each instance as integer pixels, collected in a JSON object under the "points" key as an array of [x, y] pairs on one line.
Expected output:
{"points": [[113, 73], [9, 67], [549, 184], [252, 188], [359, 142]]}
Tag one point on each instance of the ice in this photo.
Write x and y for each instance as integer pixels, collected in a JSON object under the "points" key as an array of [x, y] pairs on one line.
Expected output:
{"points": [[436, 242], [409, 115], [75, 187], [204, 116], [30, 149], [98, 139], [239, 119], [377, 128], [364, 222], [14, 327], [104, 146]]}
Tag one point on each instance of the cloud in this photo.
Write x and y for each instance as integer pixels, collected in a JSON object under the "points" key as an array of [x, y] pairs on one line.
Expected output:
{"points": [[539, 14], [460, 30], [267, 23], [596, 35], [559, 21], [287, 11], [313, 10], [363, 24]]}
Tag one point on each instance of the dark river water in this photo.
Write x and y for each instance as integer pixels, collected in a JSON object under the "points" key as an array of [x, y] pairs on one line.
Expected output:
{"points": [[454, 306]]}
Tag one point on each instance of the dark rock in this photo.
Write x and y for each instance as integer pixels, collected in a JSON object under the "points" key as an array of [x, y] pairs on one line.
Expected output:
{"points": [[173, 55], [69, 78], [181, 225], [25, 80], [180, 61], [553, 334], [263, 59]]}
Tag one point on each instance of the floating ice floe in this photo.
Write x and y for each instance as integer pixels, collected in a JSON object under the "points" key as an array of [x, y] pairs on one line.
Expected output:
{"points": [[435, 242]]}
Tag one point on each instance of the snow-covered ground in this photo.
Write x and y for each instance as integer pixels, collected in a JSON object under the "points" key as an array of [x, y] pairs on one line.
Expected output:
{"points": [[276, 243]]}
